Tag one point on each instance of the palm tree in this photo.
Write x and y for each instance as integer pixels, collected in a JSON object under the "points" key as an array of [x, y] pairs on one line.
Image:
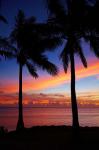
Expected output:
{"points": [[68, 17], [30, 53], [72, 46]]}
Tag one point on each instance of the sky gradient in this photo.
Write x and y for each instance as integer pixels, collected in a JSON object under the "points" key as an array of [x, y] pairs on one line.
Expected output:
{"points": [[46, 90]]}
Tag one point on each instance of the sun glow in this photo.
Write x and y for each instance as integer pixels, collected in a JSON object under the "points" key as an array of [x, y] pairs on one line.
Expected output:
{"points": [[30, 84]]}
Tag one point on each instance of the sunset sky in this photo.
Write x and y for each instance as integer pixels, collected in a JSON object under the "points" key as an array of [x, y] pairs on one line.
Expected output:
{"points": [[45, 90]]}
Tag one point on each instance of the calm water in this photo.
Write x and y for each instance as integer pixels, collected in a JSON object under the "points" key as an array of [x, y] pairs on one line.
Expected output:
{"points": [[48, 116]]}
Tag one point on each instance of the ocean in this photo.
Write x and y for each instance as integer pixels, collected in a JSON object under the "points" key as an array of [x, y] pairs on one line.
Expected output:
{"points": [[47, 116]]}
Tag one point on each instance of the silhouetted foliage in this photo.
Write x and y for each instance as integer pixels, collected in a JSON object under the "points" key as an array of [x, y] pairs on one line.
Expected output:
{"points": [[6, 50], [31, 45], [3, 131], [92, 27], [68, 16], [3, 19]]}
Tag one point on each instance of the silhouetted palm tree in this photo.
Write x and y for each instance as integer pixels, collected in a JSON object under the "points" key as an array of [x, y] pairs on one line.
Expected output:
{"points": [[68, 18], [30, 52]]}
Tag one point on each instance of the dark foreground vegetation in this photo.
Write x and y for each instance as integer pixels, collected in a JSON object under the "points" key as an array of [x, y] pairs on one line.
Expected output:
{"points": [[51, 138]]}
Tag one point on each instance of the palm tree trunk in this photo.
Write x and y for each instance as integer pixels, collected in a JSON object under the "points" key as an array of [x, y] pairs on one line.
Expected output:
{"points": [[20, 124], [75, 121]]}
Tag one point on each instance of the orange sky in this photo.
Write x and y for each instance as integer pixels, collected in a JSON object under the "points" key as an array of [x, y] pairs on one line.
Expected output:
{"points": [[30, 84], [9, 89], [51, 99]]}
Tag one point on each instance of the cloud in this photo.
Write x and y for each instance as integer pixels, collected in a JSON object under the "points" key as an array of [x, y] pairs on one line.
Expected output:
{"points": [[1, 92], [50, 100], [47, 82], [40, 98], [97, 77]]}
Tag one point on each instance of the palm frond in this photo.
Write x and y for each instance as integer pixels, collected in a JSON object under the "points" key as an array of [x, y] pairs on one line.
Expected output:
{"points": [[6, 49], [50, 43], [94, 45], [77, 49], [64, 56], [20, 17], [93, 41], [6, 54], [32, 69], [13, 36], [82, 57], [56, 9], [4, 42], [3, 19], [30, 21], [46, 29], [43, 63]]}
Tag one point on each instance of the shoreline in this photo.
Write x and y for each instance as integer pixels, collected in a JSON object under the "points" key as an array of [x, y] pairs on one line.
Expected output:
{"points": [[51, 138]]}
